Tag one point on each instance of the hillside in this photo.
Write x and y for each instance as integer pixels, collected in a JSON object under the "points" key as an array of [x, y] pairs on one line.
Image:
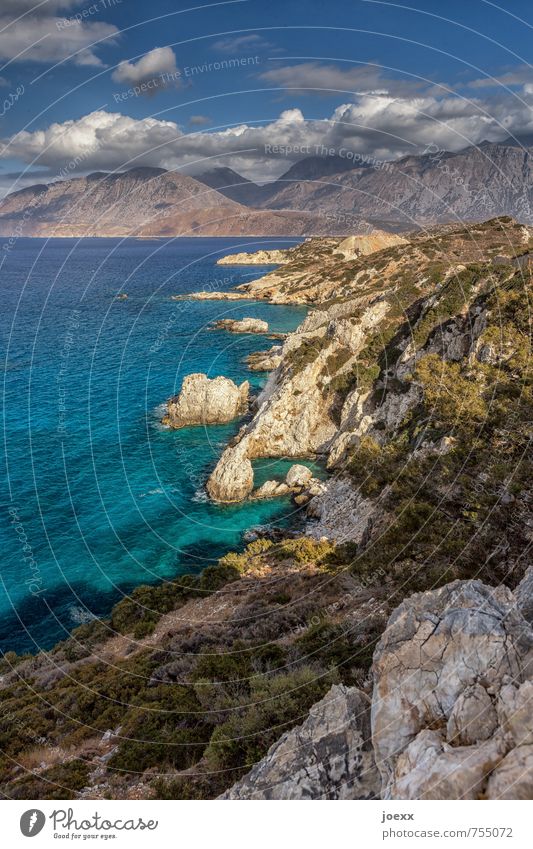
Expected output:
{"points": [[409, 589]]}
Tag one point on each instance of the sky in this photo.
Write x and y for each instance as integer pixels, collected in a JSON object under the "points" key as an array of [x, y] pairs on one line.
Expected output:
{"points": [[92, 85]]}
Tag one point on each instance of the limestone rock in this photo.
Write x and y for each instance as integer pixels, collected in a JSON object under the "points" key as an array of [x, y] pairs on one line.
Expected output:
{"points": [[242, 325], [442, 673], [355, 246], [264, 360], [513, 778], [275, 257], [473, 717], [298, 476], [524, 596], [206, 401], [270, 489], [233, 477], [328, 757]]}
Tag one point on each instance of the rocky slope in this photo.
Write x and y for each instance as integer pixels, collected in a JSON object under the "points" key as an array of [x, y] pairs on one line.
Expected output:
{"points": [[366, 345], [450, 719]]}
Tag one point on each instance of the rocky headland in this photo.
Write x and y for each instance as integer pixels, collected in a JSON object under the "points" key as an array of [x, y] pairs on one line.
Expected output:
{"points": [[386, 650]]}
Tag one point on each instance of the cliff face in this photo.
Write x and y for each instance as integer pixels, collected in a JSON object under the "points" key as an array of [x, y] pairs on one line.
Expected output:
{"points": [[352, 368]]}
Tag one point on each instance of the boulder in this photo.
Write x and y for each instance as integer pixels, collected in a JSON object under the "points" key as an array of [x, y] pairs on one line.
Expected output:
{"points": [[270, 489], [206, 401], [298, 476], [328, 757]]}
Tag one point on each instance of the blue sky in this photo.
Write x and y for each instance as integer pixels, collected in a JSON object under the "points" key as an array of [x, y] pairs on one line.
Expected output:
{"points": [[109, 84]]}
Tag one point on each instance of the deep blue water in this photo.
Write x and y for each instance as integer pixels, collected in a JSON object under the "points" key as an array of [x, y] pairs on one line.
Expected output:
{"points": [[99, 497]]}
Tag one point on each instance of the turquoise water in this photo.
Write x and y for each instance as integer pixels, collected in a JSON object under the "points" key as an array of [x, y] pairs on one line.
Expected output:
{"points": [[99, 497]]}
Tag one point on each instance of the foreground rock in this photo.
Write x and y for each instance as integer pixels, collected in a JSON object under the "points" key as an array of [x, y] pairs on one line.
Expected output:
{"points": [[242, 325], [299, 481], [328, 757], [256, 258], [452, 680], [206, 401]]}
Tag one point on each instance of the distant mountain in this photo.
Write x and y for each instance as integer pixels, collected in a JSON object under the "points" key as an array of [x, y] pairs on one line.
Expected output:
{"points": [[312, 198], [233, 186], [144, 202], [470, 185]]}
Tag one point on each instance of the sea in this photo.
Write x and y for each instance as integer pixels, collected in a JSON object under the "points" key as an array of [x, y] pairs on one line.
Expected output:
{"points": [[98, 496]]}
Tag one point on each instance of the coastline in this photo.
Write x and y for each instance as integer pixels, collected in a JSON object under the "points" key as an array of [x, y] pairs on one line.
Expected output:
{"points": [[390, 381]]}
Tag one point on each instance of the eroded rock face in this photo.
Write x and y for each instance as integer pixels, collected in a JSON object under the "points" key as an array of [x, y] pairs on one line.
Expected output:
{"points": [[206, 401], [328, 757], [264, 360], [452, 678]]}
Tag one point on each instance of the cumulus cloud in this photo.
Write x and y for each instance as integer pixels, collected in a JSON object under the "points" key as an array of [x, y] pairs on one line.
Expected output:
{"points": [[157, 67], [378, 124], [29, 33]]}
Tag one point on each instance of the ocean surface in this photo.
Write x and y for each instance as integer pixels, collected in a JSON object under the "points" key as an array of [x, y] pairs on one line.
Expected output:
{"points": [[99, 497]]}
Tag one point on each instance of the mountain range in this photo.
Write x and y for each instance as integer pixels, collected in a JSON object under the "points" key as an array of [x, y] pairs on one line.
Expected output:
{"points": [[316, 196]]}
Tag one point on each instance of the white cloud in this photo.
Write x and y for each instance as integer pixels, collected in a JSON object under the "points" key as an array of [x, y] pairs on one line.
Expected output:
{"points": [[30, 33], [158, 66], [381, 125]]}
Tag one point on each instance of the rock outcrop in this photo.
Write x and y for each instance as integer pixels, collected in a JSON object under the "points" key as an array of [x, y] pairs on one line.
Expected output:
{"points": [[355, 246], [206, 401], [241, 325], [453, 675], [264, 360], [328, 757], [275, 257]]}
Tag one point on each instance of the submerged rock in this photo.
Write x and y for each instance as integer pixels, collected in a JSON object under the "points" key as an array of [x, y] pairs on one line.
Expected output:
{"points": [[206, 401], [241, 325], [328, 757]]}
